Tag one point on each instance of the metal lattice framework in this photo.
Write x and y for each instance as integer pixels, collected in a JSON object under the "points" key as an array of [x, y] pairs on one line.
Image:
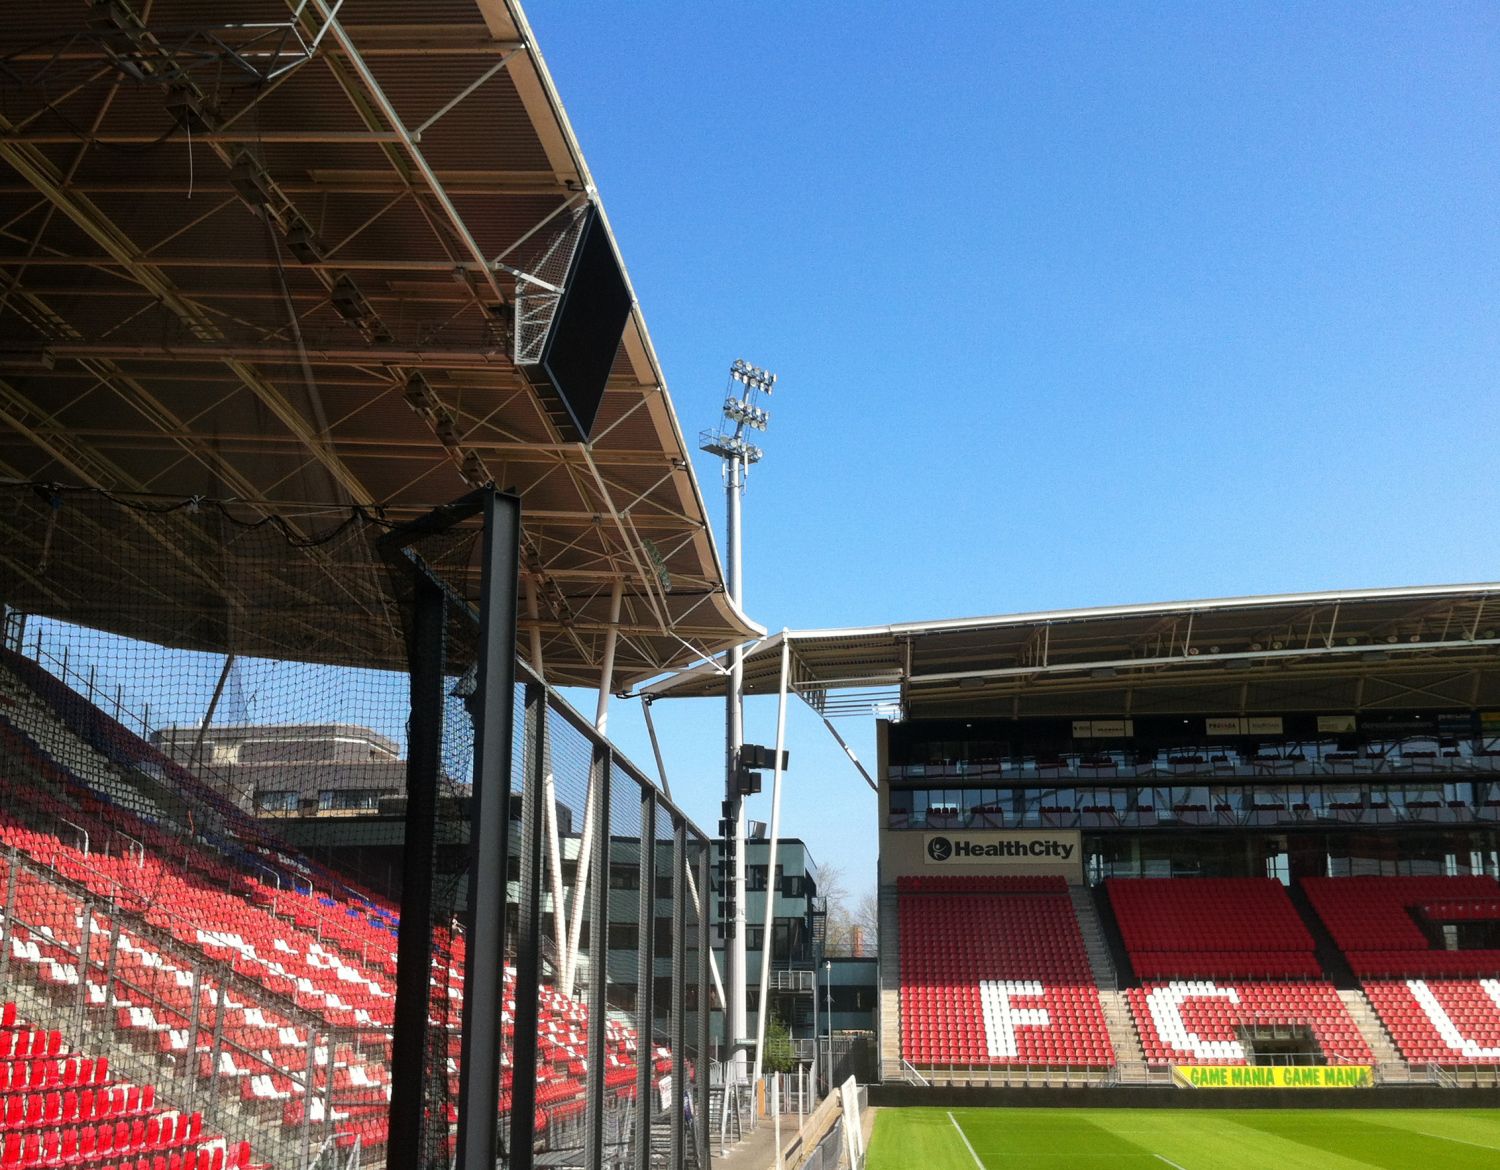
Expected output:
{"points": [[1432, 646], [284, 252]]}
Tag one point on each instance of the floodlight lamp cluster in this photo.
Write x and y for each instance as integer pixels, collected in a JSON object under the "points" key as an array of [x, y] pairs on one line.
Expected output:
{"points": [[752, 377], [741, 411], [731, 447]]}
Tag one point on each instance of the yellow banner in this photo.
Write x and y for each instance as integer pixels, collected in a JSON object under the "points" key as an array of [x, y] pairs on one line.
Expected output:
{"points": [[1279, 1076]]}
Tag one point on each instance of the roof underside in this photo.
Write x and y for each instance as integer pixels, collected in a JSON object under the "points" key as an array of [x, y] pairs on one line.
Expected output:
{"points": [[159, 335], [1423, 647]]}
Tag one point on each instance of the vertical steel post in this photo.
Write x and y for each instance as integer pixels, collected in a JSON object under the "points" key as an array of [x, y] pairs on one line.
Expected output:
{"points": [[216, 1050], [645, 1000], [679, 1000], [598, 966], [10, 913], [735, 976], [414, 942], [85, 946], [109, 967], [529, 934], [484, 985], [770, 916], [193, 1019], [705, 955], [307, 1095], [330, 1047]]}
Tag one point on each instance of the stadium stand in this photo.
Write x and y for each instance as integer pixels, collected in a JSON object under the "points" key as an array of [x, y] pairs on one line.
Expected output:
{"points": [[60, 1107], [1221, 957], [994, 972], [1382, 923], [1211, 928], [158, 929], [1441, 1021], [1389, 928], [1204, 1021]]}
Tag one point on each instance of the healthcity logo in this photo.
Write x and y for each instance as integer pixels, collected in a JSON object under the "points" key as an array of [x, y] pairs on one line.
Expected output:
{"points": [[980, 849]]}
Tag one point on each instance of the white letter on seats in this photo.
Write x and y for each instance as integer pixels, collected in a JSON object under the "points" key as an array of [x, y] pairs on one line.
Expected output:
{"points": [[1444, 1024], [1001, 1019], [1165, 1005]]}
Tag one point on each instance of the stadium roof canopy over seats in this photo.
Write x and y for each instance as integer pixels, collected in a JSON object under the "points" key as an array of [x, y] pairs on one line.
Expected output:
{"points": [[1214, 656], [294, 277]]}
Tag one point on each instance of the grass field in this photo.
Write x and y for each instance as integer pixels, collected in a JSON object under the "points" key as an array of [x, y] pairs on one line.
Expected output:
{"points": [[1186, 1139]]}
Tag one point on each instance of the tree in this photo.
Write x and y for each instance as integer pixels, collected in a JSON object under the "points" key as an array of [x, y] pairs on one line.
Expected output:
{"points": [[843, 918], [779, 1056]]}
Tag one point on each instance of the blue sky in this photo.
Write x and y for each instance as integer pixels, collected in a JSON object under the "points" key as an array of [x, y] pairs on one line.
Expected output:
{"points": [[1071, 304]]}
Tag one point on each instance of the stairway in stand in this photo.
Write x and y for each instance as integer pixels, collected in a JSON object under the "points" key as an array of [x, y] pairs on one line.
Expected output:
{"points": [[1389, 1065], [890, 987], [1122, 1033]]}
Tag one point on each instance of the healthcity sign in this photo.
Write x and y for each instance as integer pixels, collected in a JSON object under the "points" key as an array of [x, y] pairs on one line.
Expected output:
{"points": [[1020, 849]]}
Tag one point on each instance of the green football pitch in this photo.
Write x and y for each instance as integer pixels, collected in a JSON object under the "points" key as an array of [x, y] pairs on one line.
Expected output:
{"points": [[1186, 1139]]}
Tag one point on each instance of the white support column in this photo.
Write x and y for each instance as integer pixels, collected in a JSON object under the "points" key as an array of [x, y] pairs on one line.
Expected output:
{"points": [[554, 853], [765, 950], [586, 840], [534, 617], [549, 799]]}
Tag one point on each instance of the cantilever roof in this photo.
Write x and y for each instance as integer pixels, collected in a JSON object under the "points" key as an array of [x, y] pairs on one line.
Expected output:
{"points": [[1423, 645], [158, 335]]}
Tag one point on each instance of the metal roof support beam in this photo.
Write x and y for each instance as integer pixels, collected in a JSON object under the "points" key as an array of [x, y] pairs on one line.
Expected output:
{"points": [[409, 144], [843, 743], [1173, 659], [104, 233], [657, 606]]}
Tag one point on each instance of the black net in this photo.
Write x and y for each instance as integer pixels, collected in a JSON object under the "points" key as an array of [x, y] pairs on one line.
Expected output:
{"points": [[206, 726]]}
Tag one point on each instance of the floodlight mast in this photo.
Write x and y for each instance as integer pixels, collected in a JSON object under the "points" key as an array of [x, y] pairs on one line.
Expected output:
{"points": [[741, 411]]}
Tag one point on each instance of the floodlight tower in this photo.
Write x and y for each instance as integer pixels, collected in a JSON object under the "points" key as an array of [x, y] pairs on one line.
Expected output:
{"points": [[728, 442]]}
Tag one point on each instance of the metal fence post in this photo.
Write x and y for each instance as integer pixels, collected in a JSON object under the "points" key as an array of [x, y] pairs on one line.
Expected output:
{"points": [[85, 946], [331, 1048], [216, 1049], [414, 942], [528, 936], [10, 913], [484, 984], [645, 999], [598, 958], [193, 1031], [679, 1015], [109, 966], [700, 1110], [307, 1096]]}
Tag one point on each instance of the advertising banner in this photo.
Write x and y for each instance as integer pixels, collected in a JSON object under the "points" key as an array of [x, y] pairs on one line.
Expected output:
{"points": [[1034, 851], [1280, 1076]]}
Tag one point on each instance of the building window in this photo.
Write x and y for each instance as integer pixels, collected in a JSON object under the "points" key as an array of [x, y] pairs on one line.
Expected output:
{"points": [[755, 938], [624, 877], [755, 878], [663, 939], [345, 799], [624, 936], [276, 801]]}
